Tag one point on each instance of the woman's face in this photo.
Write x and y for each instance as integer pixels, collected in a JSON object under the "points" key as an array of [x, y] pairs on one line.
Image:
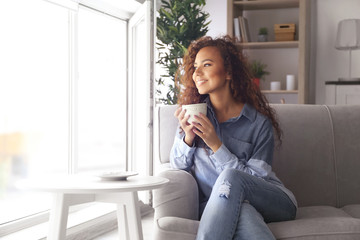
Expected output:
{"points": [[210, 75]]}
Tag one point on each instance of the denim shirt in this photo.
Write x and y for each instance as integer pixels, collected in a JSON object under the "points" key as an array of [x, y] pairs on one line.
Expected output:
{"points": [[247, 145]]}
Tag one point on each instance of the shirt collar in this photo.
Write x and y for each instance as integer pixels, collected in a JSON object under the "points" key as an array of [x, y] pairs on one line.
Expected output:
{"points": [[248, 111]]}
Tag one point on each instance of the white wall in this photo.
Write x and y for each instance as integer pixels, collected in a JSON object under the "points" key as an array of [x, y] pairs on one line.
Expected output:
{"points": [[218, 16], [330, 62]]}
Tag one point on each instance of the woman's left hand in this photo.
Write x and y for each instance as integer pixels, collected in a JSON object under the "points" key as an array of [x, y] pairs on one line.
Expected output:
{"points": [[206, 131]]}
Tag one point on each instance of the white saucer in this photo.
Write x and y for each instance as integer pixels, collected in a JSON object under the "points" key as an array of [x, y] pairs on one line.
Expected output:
{"points": [[116, 176]]}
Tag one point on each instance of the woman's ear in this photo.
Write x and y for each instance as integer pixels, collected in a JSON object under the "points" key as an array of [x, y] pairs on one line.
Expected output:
{"points": [[228, 76]]}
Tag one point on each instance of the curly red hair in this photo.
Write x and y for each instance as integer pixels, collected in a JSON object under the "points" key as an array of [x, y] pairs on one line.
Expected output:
{"points": [[236, 65]]}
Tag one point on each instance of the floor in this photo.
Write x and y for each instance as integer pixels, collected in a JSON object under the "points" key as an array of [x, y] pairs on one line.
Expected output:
{"points": [[147, 224]]}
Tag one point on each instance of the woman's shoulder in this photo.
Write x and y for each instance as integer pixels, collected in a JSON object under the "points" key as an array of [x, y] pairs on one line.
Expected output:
{"points": [[256, 116]]}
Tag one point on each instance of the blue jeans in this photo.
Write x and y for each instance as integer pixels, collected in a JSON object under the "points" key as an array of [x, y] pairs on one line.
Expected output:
{"points": [[239, 207]]}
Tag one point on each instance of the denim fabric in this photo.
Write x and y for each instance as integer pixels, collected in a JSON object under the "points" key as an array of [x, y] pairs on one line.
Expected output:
{"points": [[239, 207]]}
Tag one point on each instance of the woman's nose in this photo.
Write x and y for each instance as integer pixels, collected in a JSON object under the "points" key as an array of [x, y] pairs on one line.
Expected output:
{"points": [[198, 71]]}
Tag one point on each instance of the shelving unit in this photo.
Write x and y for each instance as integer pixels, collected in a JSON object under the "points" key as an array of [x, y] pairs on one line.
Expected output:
{"points": [[301, 45], [280, 91], [265, 4], [259, 45]]}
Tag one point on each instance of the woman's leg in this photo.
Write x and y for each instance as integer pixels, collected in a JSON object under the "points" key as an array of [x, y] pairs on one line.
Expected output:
{"points": [[220, 219], [251, 225]]}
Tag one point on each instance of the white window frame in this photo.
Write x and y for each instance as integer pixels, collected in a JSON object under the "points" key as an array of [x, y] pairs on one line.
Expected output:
{"points": [[146, 11], [142, 14]]}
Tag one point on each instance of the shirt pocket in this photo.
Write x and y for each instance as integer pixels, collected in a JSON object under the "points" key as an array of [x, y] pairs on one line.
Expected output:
{"points": [[243, 150]]}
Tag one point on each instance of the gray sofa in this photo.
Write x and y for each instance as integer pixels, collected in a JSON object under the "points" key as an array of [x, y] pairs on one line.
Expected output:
{"points": [[319, 160]]}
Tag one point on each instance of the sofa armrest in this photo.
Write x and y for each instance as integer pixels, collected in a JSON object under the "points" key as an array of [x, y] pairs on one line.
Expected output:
{"points": [[178, 198]]}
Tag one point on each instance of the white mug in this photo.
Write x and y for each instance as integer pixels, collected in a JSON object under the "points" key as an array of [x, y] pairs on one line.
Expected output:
{"points": [[195, 109]]}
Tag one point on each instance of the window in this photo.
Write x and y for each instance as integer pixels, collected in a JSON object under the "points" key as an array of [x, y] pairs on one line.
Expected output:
{"points": [[101, 111], [33, 100], [64, 101], [140, 93]]}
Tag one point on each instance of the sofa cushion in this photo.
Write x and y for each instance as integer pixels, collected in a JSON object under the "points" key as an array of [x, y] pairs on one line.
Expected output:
{"points": [[175, 228], [353, 210], [324, 228], [320, 212], [320, 222], [176, 224], [315, 222]]}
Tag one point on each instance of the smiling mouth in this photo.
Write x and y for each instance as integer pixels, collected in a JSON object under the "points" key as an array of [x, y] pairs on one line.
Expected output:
{"points": [[200, 82]]}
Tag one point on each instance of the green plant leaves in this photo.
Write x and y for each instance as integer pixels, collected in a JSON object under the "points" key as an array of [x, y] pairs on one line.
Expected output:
{"points": [[179, 22], [258, 69]]}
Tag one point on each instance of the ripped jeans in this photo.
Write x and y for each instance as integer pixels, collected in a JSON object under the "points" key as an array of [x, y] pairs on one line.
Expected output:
{"points": [[239, 207]]}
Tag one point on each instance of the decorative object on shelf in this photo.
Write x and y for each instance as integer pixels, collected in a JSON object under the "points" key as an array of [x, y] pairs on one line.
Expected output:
{"points": [[258, 71], [290, 82], [284, 32], [179, 22], [275, 86], [263, 34], [348, 38]]}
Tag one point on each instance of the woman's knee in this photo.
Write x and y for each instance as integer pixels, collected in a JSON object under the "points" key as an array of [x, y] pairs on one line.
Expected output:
{"points": [[227, 179], [232, 175]]}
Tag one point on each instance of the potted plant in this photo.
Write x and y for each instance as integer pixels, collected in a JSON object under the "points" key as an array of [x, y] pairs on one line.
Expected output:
{"points": [[179, 22], [262, 35], [258, 71]]}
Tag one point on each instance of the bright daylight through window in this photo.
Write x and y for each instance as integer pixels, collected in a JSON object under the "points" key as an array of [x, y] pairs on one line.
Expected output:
{"points": [[46, 116]]}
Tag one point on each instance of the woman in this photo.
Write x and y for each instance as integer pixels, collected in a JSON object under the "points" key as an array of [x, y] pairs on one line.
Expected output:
{"points": [[229, 151]]}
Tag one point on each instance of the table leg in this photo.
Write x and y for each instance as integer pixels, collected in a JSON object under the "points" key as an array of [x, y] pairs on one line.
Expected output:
{"points": [[123, 224], [129, 218], [60, 210], [58, 217]]}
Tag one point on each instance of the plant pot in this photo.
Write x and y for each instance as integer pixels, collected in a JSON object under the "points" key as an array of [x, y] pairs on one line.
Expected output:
{"points": [[256, 81], [262, 38]]}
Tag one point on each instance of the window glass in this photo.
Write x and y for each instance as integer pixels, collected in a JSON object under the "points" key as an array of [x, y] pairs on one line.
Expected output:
{"points": [[38, 129], [33, 100], [101, 92]]}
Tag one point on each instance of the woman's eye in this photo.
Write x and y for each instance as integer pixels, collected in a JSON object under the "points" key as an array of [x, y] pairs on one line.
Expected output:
{"points": [[207, 64]]}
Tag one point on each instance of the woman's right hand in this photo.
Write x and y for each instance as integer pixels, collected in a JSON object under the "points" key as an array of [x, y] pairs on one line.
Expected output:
{"points": [[188, 128]]}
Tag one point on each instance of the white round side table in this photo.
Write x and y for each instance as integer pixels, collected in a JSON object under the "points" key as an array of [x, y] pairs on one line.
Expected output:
{"points": [[74, 189]]}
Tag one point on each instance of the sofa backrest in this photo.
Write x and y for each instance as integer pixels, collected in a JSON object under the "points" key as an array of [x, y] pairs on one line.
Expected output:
{"points": [[166, 128], [319, 159]]}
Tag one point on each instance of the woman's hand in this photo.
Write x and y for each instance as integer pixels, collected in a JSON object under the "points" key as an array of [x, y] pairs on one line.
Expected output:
{"points": [[206, 131], [189, 134]]}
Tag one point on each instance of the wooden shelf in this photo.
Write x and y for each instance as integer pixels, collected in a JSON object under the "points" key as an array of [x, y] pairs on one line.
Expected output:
{"points": [[266, 4], [261, 45], [297, 11], [280, 91]]}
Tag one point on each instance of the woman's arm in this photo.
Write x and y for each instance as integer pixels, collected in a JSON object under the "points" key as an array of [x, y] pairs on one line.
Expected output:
{"points": [[181, 155], [259, 163]]}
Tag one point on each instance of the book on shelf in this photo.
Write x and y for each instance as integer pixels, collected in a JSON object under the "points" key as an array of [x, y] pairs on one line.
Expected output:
{"points": [[241, 29], [237, 29]]}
